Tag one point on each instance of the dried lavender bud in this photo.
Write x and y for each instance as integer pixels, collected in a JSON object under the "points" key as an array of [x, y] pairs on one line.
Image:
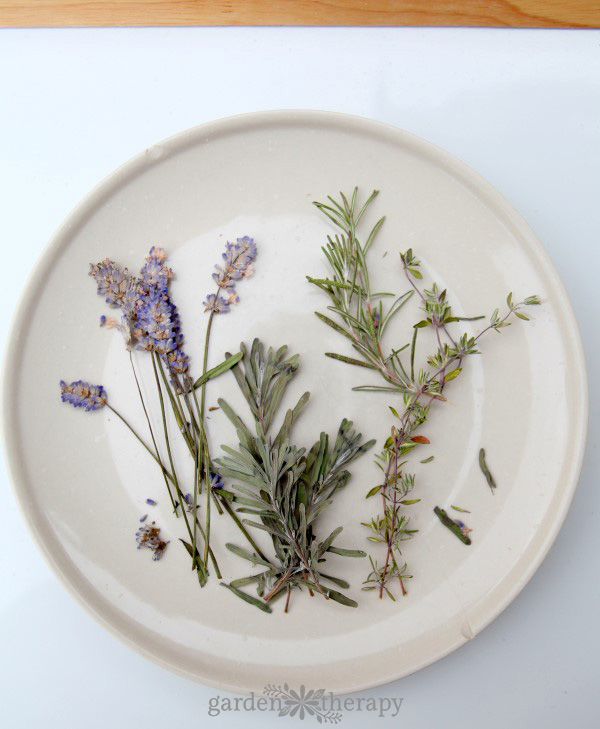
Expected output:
{"points": [[148, 537]]}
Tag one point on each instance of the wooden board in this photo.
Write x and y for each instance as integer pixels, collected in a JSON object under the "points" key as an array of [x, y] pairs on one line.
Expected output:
{"points": [[477, 13]]}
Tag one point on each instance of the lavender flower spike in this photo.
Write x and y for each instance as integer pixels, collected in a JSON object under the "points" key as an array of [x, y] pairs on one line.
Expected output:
{"points": [[238, 263], [81, 394], [159, 324], [158, 328]]}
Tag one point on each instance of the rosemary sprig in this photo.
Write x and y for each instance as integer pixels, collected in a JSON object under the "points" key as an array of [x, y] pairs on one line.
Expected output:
{"points": [[286, 487], [362, 317]]}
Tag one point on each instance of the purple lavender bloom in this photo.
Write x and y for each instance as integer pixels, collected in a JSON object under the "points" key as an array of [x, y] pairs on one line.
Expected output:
{"points": [[120, 291], [151, 502], [154, 274], [159, 324], [216, 303], [148, 536], [149, 318], [159, 328], [178, 361], [238, 263], [216, 482], [132, 300], [112, 282], [81, 394]]}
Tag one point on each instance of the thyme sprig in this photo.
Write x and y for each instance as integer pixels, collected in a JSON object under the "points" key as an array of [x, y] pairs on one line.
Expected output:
{"points": [[363, 317], [286, 487]]}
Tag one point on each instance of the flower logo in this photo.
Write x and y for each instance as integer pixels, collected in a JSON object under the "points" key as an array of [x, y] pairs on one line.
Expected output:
{"points": [[302, 703]]}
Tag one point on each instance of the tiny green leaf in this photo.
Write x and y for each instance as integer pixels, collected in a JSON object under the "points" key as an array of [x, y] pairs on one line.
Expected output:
{"points": [[453, 374], [219, 369], [248, 598]]}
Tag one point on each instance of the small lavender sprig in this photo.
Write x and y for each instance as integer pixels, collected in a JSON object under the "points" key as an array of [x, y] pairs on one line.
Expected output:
{"points": [[238, 263], [238, 260], [362, 319]]}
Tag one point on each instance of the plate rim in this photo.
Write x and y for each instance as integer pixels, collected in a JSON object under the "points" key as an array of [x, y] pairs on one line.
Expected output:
{"points": [[238, 123]]}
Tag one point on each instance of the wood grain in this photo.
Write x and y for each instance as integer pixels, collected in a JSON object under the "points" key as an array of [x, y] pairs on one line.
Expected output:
{"points": [[478, 13]]}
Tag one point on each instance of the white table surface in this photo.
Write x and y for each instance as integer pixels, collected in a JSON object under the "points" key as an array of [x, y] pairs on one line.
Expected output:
{"points": [[521, 107]]}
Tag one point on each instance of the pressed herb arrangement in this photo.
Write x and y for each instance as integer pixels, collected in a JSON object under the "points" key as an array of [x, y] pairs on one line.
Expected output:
{"points": [[291, 486], [277, 487], [362, 316]]}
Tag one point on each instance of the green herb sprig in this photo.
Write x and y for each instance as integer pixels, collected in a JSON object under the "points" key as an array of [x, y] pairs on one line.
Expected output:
{"points": [[363, 317], [286, 487]]}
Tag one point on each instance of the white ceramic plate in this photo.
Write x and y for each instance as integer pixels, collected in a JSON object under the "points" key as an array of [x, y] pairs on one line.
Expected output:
{"points": [[82, 480]]}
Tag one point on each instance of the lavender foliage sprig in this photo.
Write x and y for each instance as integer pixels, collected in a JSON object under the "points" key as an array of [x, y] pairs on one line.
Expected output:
{"points": [[362, 317], [286, 487]]}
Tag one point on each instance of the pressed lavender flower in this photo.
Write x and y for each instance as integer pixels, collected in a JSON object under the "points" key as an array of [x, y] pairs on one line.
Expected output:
{"points": [[159, 328], [225, 283], [160, 331], [120, 291], [151, 502], [81, 394], [148, 536], [113, 283], [133, 300], [238, 258], [216, 303], [178, 361], [216, 482], [143, 518], [159, 324], [154, 274]]}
